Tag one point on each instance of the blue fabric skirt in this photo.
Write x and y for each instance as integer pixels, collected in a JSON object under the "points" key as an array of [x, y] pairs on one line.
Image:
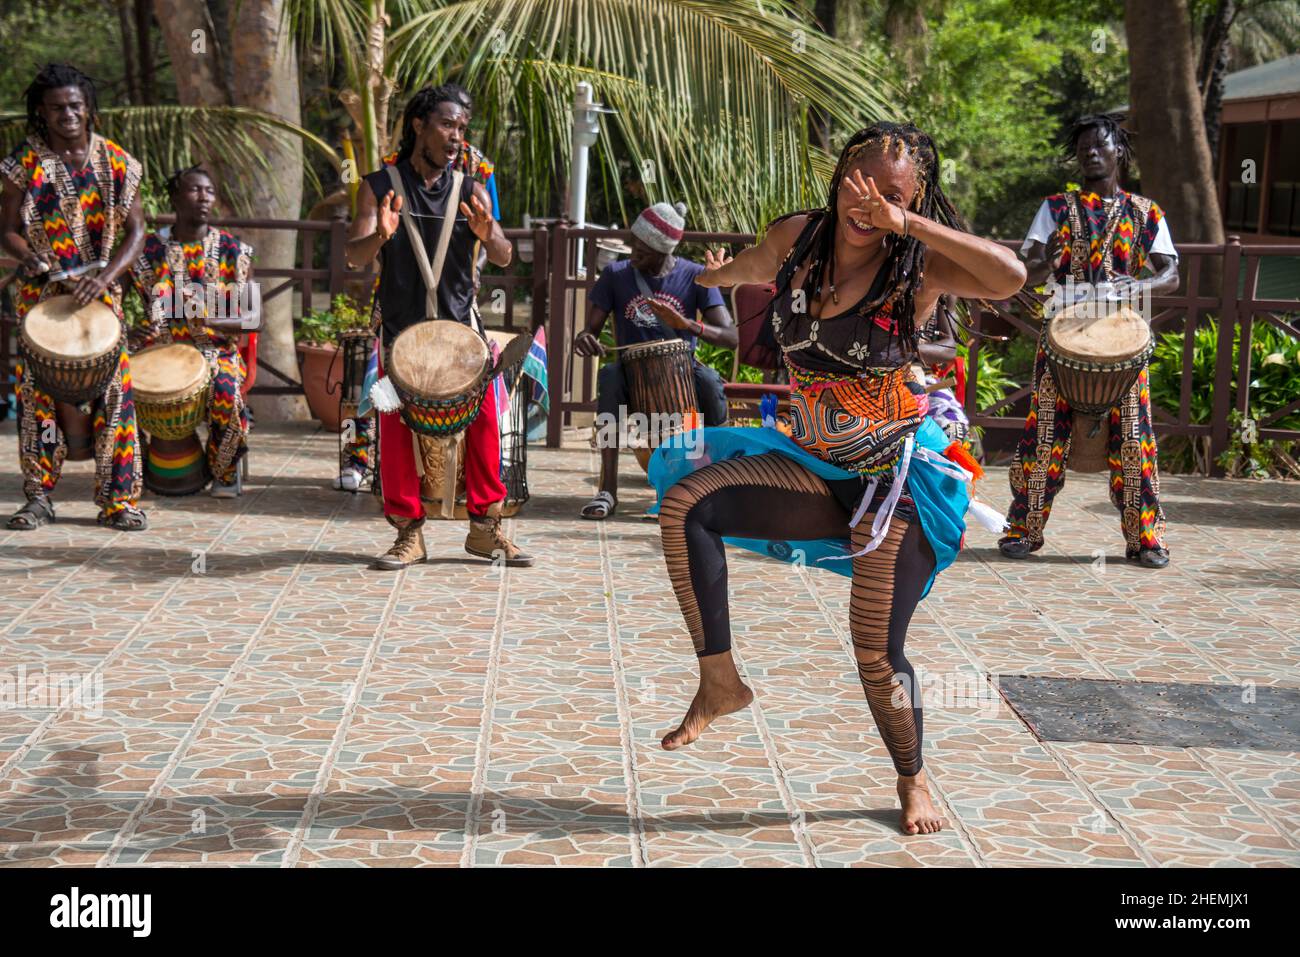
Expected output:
{"points": [[940, 498]]}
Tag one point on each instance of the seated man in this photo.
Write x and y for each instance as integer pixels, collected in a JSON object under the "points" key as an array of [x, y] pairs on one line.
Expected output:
{"points": [[195, 255], [653, 295]]}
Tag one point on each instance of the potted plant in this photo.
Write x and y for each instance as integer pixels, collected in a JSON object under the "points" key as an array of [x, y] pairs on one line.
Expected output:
{"points": [[319, 360]]}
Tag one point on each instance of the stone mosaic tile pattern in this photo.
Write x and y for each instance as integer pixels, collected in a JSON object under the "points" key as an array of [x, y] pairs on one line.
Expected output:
{"points": [[257, 697]]}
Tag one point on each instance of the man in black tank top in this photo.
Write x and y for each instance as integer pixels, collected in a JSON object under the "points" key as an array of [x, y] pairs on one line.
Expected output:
{"points": [[433, 131]]}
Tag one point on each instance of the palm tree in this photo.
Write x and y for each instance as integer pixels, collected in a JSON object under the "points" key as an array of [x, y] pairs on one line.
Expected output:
{"points": [[713, 96]]}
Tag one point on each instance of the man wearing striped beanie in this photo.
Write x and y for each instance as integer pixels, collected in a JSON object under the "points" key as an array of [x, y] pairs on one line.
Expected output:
{"points": [[652, 296]]}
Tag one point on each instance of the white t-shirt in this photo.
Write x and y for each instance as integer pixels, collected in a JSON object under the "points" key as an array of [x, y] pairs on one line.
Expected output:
{"points": [[1041, 229]]}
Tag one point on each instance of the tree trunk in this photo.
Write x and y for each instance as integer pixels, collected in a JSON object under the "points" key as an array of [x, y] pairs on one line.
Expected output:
{"points": [[195, 52], [1212, 68], [1177, 169], [143, 16], [267, 80], [128, 53]]}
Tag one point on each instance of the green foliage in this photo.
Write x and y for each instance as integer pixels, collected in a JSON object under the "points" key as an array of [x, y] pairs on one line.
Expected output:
{"points": [[326, 326], [996, 82], [721, 360], [1275, 365], [713, 97], [993, 381]]}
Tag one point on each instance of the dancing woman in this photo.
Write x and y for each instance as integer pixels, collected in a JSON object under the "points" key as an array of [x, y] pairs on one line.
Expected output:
{"points": [[864, 465]]}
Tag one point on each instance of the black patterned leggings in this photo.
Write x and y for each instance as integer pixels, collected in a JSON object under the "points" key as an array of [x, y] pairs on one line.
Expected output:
{"points": [[770, 496]]}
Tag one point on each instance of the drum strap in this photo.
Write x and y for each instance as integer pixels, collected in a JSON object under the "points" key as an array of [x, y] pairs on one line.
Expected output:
{"points": [[432, 274]]}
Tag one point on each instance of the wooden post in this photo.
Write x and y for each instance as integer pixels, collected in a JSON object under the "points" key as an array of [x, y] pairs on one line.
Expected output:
{"points": [[308, 248], [541, 276], [557, 339], [1223, 371], [338, 252]]}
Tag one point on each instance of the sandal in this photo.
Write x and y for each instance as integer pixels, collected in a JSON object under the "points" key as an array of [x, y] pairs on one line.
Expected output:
{"points": [[600, 508], [129, 519], [37, 512]]}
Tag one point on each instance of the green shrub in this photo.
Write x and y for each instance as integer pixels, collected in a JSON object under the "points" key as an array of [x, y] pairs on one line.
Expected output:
{"points": [[1275, 366], [324, 327]]}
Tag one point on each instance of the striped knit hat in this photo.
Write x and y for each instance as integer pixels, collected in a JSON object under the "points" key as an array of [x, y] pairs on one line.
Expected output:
{"points": [[660, 226]]}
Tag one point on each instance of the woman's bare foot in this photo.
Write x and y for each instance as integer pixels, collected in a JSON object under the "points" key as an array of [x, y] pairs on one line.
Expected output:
{"points": [[721, 692], [919, 816]]}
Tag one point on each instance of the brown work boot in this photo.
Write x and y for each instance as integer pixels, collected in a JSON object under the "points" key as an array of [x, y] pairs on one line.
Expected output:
{"points": [[408, 549], [487, 540]]}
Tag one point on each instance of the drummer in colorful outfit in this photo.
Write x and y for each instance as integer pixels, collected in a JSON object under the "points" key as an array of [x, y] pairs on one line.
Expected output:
{"points": [[865, 484], [70, 214], [207, 262], [1100, 233], [433, 133], [652, 296]]}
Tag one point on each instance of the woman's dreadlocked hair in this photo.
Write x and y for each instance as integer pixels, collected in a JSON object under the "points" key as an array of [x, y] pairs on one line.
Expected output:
{"points": [[421, 107], [56, 76], [1110, 123], [904, 266]]}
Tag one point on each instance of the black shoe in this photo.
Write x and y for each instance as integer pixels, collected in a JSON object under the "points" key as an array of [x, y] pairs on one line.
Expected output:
{"points": [[1150, 557], [1018, 547]]}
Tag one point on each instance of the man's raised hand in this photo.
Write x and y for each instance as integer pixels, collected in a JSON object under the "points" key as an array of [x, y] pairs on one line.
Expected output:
{"points": [[480, 218], [390, 215]]}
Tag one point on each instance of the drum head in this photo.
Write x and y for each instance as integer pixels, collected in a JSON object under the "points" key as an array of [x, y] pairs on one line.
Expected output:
{"points": [[439, 359], [1079, 333], [60, 327], [170, 371]]}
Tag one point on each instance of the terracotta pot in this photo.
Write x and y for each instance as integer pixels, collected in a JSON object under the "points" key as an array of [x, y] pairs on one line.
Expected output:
{"points": [[321, 368]]}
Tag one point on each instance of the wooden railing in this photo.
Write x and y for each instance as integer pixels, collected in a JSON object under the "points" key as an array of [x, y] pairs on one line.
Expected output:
{"points": [[311, 286], [548, 280]]}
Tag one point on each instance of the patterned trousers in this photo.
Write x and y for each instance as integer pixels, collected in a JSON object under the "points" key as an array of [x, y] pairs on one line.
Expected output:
{"points": [[1038, 469], [227, 414], [42, 447]]}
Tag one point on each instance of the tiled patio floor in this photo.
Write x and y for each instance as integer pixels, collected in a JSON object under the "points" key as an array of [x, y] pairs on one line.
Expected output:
{"points": [[267, 700]]}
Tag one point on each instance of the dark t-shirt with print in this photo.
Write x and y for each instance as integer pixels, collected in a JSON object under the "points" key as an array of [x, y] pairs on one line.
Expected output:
{"points": [[617, 292]]}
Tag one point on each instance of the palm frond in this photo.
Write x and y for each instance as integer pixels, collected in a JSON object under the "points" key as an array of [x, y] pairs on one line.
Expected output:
{"points": [[714, 93], [164, 138]]}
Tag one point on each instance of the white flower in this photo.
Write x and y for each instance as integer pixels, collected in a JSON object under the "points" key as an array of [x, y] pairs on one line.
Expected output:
{"points": [[858, 351]]}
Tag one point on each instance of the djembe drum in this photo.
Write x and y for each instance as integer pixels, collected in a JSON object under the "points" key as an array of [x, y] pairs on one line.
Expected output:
{"points": [[171, 386], [1095, 351], [660, 383], [441, 370], [72, 351], [512, 426]]}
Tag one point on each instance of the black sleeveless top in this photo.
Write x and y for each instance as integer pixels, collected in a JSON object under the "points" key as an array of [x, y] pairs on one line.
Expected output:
{"points": [[846, 344], [401, 284]]}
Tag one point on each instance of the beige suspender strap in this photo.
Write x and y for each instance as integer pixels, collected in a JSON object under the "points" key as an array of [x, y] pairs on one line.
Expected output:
{"points": [[432, 273]]}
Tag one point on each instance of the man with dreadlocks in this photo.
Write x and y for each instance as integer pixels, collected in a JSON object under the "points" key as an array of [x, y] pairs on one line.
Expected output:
{"points": [[433, 133], [1100, 233], [356, 454], [199, 258], [865, 485], [70, 214]]}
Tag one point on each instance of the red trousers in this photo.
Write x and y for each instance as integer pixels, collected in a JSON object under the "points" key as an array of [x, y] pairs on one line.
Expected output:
{"points": [[401, 480]]}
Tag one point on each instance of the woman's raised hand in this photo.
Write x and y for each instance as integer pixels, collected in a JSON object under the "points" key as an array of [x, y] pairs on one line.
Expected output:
{"points": [[713, 262], [872, 208]]}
